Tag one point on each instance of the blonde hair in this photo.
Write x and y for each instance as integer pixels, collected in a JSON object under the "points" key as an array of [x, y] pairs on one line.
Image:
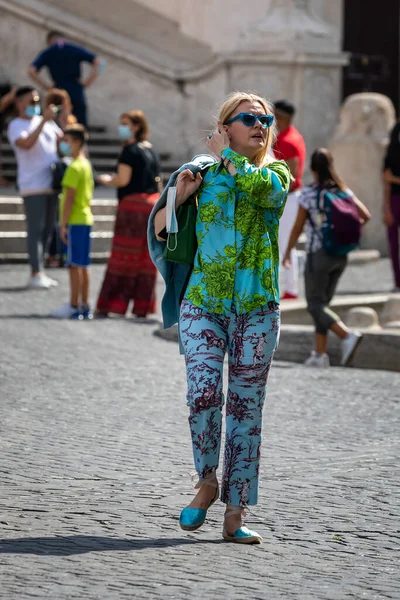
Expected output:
{"points": [[262, 158]]}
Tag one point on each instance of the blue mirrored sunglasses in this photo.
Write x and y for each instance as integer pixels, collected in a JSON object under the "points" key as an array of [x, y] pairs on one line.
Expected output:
{"points": [[249, 120]]}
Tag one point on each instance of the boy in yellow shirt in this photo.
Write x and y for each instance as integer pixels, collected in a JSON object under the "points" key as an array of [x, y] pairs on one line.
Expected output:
{"points": [[76, 222]]}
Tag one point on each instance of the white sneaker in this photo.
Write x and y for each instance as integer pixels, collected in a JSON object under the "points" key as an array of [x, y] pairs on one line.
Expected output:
{"points": [[349, 346], [321, 361], [51, 282], [39, 281], [64, 312]]}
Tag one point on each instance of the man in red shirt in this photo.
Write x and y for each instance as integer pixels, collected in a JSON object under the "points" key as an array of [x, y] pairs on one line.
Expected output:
{"points": [[291, 148]]}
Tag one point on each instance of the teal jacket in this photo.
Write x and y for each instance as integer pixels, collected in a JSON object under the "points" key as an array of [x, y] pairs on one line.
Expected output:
{"points": [[175, 275]]}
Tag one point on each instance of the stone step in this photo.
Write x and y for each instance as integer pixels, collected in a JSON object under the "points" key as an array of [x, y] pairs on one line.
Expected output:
{"points": [[14, 242], [95, 152], [16, 223], [22, 258], [15, 206], [103, 152], [98, 142], [106, 166]]}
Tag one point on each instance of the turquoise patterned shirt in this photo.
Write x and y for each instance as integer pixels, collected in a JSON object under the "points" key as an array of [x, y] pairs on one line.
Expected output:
{"points": [[237, 259]]}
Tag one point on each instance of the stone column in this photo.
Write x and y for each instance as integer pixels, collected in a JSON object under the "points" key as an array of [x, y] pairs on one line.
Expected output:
{"points": [[358, 147], [293, 53]]}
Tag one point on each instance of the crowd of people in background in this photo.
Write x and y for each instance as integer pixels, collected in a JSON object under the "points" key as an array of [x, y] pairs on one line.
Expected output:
{"points": [[49, 138]]}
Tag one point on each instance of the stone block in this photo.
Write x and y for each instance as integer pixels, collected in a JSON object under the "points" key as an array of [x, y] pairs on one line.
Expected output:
{"points": [[392, 325], [378, 350], [362, 316], [358, 147], [391, 309]]}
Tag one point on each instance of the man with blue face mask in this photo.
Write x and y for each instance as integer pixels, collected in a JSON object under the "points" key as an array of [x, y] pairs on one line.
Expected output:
{"points": [[34, 139]]}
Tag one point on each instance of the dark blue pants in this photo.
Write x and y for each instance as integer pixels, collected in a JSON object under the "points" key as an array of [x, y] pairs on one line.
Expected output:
{"points": [[80, 111]]}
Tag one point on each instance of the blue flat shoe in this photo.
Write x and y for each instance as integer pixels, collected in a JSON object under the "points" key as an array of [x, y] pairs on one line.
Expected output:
{"points": [[243, 535], [193, 518]]}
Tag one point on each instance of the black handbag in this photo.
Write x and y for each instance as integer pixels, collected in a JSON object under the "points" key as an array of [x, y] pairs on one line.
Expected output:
{"points": [[58, 171]]}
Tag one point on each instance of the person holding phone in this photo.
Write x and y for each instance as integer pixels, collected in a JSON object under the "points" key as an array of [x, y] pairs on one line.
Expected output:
{"points": [[230, 304], [34, 138]]}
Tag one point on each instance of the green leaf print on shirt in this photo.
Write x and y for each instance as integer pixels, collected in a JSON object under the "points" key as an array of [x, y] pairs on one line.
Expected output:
{"points": [[266, 280], [230, 252], [255, 251], [249, 219], [255, 186], [208, 213], [219, 278], [195, 295], [249, 302]]}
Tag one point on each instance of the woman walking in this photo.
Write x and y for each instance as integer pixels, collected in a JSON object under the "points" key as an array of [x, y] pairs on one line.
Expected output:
{"points": [[230, 304], [130, 273], [391, 206], [323, 270]]}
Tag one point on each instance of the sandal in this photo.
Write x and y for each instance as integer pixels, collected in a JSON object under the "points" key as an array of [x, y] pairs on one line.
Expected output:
{"points": [[242, 535], [193, 518]]}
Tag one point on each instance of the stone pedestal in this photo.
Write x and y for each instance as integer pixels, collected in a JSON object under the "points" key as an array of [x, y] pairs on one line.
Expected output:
{"points": [[391, 311], [363, 317], [294, 53], [358, 147]]}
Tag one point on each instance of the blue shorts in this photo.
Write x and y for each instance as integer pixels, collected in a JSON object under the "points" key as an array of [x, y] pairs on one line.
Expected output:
{"points": [[78, 249]]}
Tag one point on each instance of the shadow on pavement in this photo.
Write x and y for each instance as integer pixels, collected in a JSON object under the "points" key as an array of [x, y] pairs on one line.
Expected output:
{"points": [[11, 290], [81, 544], [29, 316], [145, 321]]}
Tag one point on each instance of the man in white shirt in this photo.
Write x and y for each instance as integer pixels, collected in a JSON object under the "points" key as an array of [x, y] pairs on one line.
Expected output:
{"points": [[34, 140]]}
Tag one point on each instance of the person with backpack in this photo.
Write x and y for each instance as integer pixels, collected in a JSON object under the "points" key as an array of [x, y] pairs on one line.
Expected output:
{"points": [[334, 218]]}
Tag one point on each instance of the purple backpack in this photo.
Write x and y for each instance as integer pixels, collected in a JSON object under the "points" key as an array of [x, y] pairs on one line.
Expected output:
{"points": [[341, 224]]}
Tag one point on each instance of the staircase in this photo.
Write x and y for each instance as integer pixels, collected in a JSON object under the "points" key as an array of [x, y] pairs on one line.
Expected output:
{"points": [[103, 151]]}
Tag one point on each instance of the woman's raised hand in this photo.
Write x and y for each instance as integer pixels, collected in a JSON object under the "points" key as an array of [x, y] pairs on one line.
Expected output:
{"points": [[186, 185], [217, 141]]}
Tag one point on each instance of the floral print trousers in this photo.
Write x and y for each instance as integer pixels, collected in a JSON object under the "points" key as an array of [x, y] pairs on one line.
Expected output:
{"points": [[250, 340]]}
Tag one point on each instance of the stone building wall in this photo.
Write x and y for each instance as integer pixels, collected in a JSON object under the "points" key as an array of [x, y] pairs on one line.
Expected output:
{"points": [[192, 55]]}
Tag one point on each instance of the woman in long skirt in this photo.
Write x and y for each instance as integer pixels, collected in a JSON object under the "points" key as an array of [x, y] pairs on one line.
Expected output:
{"points": [[130, 273]]}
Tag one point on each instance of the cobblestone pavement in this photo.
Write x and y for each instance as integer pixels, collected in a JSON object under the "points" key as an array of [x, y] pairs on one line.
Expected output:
{"points": [[96, 462]]}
